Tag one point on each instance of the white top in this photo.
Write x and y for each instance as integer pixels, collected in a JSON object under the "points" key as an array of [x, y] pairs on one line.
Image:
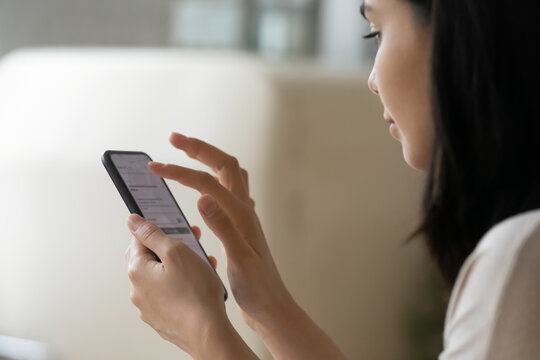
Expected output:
{"points": [[494, 309]]}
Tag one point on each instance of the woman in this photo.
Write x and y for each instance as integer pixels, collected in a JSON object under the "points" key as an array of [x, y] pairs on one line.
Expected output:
{"points": [[458, 81]]}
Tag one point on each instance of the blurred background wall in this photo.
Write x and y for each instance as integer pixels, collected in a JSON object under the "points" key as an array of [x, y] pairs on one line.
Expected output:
{"points": [[26, 23], [329, 29], [281, 85]]}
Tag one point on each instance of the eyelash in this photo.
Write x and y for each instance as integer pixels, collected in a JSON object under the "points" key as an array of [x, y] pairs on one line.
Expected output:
{"points": [[374, 34]]}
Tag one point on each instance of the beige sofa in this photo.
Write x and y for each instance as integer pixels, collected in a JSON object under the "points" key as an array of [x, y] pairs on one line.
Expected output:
{"points": [[333, 192]]}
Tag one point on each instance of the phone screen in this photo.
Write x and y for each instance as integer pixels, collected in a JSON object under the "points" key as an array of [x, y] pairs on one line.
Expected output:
{"points": [[154, 199]]}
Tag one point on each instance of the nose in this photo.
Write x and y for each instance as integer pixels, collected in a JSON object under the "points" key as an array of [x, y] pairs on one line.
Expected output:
{"points": [[372, 82]]}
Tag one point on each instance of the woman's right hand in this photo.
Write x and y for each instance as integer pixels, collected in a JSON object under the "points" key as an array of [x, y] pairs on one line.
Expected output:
{"points": [[228, 210]]}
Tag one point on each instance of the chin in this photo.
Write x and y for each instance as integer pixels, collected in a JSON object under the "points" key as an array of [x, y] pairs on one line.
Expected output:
{"points": [[415, 160]]}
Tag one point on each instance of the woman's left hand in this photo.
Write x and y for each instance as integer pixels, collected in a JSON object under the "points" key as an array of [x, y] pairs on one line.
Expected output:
{"points": [[181, 297]]}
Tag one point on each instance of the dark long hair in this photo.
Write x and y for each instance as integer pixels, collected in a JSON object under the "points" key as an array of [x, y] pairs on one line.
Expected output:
{"points": [[485, 164]]}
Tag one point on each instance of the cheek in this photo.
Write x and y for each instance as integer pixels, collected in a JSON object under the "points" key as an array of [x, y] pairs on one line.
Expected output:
{"points": [[394, 82], [403, 83]]}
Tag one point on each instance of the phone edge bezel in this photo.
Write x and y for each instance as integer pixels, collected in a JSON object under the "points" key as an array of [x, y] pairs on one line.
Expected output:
{"points": [[130, 201]]}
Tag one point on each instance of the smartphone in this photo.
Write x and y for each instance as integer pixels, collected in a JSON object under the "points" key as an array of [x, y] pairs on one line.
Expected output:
{"points": [[149, 196]]}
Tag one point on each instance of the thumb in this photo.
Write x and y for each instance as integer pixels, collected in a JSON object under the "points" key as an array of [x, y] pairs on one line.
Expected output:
{"points": [[149, 235]]}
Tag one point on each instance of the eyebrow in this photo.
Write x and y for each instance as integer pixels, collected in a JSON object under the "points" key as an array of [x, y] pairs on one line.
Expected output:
{"points": [[365, 8]]}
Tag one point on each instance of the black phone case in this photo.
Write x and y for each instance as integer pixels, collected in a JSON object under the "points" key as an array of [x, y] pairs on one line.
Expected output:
{"points": [[128, 198]]}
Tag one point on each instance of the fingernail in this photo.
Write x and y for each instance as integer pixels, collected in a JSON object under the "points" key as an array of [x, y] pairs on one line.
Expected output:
{"points": [[209, 208], [134, 221], [177, 135], [156, 164]]}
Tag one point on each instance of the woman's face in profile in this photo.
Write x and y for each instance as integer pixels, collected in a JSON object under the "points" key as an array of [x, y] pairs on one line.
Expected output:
{"points": [[401, 76]]}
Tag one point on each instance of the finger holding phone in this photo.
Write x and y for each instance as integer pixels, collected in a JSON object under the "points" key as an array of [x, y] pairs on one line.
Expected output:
{"points": [[179, 295]]}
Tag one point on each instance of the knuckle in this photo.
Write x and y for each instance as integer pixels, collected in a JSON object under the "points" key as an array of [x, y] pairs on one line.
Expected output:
{"points": [[143, 318], [248, 212], [196, 143], [205, 178], [233, 162], [129, 250], [134, 299], [208, 178], [147, 231], [194, 147], [132, 274], [133, 270]]}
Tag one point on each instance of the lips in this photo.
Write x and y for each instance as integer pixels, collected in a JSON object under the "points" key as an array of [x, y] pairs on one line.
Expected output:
{"points": [[389, 120], [392, 127]]}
